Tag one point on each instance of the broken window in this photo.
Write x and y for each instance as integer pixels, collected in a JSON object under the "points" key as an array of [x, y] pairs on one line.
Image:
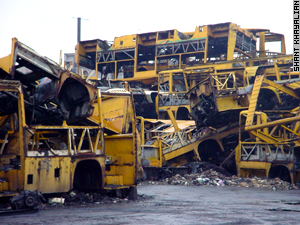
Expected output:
{"points": [[57, 172], [30, 179]]}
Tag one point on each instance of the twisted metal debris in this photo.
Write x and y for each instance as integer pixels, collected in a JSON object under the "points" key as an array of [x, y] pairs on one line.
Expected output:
{"points": [[213, 178]]}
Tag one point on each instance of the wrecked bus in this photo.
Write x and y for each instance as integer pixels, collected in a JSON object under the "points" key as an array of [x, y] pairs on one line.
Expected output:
{"points": [[58, 132]]}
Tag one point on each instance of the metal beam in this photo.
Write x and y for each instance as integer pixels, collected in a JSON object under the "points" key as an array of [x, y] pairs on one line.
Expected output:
{"points": [[273, 123], [282, 88]]}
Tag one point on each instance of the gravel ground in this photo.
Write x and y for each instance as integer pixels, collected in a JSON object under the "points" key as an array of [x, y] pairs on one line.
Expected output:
{"points": [[176, 204]]}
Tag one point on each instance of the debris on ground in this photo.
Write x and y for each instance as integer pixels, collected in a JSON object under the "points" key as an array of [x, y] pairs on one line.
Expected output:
{"points": [[213, 178], [83, 199], [53, 201]]}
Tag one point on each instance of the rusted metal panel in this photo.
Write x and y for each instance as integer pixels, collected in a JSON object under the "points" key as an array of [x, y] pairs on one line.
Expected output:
{"points": [[122, 162]]}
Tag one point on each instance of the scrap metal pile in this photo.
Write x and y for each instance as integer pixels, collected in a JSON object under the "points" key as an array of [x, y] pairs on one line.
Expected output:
{"points": [[208, 174], [160, 99], [249, 126], [213, 178]]}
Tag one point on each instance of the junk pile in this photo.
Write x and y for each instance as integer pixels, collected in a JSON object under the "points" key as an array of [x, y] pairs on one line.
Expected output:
{"points": [[208, 174], [82, 199], [213, 178]]}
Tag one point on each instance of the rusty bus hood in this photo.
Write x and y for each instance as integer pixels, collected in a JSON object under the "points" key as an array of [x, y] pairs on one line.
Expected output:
{"points": [[26, 65]]}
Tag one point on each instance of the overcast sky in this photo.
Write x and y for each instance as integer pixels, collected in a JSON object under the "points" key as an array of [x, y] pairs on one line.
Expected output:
{"points": [[51, 26]]}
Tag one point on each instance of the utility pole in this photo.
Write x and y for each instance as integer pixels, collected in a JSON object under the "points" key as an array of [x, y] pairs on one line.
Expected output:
{"points": [[78, 34], [78, 29]]}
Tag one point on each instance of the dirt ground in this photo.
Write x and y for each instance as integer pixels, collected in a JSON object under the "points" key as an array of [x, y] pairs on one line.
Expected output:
{"points": [[175, 204]]}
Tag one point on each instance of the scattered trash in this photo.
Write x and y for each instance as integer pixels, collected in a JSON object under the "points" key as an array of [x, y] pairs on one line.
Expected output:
{"points": [[72, 194], [214, 178], [82, 199], [206, 176], [56, 200]]}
